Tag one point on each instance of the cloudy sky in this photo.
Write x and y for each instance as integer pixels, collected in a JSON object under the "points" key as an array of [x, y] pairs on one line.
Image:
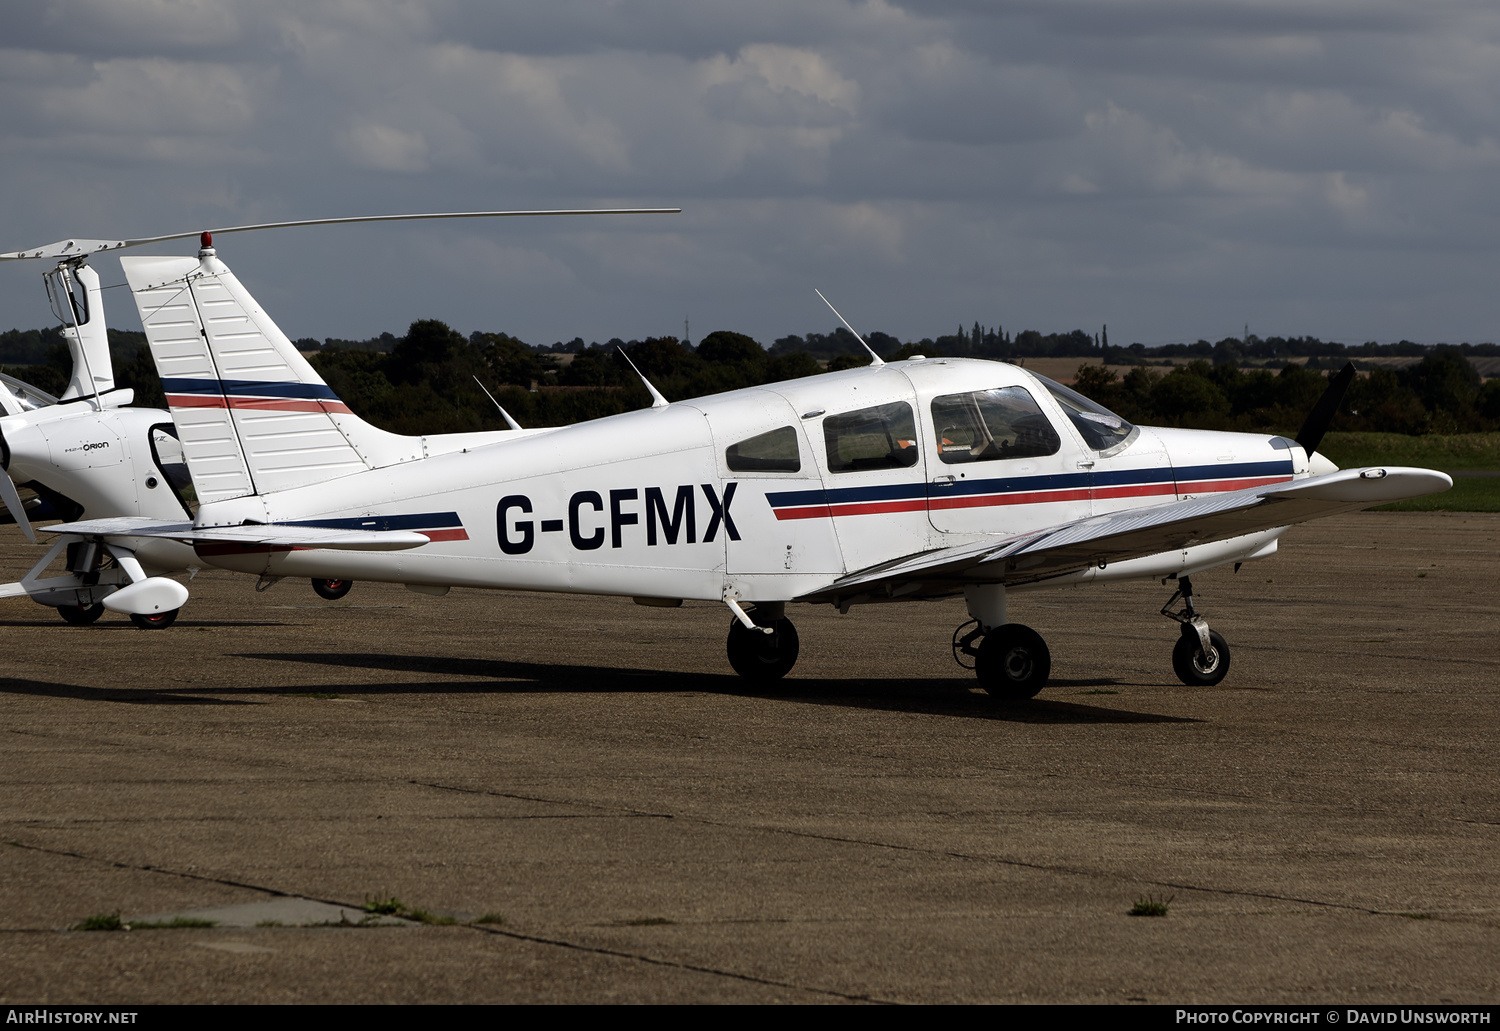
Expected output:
{"points": [[1176, 169]]}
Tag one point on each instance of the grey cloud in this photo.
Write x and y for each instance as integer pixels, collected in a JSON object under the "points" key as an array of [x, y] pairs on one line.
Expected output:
{"points": [[1171, 167]]}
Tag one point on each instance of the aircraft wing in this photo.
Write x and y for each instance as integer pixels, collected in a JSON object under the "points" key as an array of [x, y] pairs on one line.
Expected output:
{"points": [[267, 535], [1099, 540]]}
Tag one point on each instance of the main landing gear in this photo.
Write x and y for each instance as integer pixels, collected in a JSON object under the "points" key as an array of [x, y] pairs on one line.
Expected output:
{"points": [[1011, 660], [767, 650], [1201, 656]]}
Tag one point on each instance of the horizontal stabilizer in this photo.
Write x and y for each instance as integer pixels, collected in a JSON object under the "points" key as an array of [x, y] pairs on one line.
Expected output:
{"points": [[1100, 540], [267, 535]]}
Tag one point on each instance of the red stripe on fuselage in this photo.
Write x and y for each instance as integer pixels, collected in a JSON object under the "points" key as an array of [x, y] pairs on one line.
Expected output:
{"points": [[1133, 490]]}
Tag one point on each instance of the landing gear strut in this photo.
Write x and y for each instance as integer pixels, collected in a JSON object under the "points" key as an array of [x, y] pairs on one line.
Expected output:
{"points": [[1011, 660], [1201, 656]]}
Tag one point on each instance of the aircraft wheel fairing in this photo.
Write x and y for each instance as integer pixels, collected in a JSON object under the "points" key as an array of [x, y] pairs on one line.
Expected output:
{"points": [[761, 656], [332, 590], [1194, 668], [1013, 662], [81, 615], [154, 620]]}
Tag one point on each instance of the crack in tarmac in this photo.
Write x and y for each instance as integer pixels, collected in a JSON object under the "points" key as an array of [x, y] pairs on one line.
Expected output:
{"points": [[560, 943]]}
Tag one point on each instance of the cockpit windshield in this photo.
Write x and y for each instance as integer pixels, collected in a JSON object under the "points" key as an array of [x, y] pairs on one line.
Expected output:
{"points": [[1101, 429], [17, 397]]}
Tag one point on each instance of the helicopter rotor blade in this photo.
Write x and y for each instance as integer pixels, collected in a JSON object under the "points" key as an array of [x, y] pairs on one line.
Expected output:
{"points": [[66, 249]]}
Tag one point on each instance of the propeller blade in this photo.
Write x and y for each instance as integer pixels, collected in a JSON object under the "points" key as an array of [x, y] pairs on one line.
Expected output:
{"points": [[12, 501], [1321, 417], [83, 248]]}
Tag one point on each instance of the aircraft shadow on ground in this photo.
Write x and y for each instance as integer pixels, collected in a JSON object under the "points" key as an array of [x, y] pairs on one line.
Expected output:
{"points": [[187, 694], [124, 623], [950, 696]]}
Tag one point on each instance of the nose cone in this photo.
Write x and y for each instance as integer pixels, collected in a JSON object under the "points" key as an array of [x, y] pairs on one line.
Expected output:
{"points": [[23, 449]]}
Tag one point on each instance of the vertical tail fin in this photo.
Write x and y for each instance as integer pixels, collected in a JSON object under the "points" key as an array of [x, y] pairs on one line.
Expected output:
{"points": [[253, 414]]}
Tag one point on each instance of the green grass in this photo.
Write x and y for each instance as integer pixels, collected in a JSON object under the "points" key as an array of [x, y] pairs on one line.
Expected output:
{"points": [[1448, 452], [1467, 495], [385, 907], [423, 916], [1149, 905], [102, 922], [1461, 452]]}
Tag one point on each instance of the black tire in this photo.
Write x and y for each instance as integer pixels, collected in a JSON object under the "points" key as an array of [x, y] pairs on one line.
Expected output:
{"points": [[332, 590], [80, 615], [1195, 669], [1013, 662], [760, 656], [154, 620]]}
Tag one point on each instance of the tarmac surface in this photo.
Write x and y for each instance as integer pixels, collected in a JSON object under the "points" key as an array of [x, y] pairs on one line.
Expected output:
{"points": [[609, 815]]}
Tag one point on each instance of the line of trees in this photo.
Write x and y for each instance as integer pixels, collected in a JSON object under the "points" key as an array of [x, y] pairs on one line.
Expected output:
{"points": [[429, 380], [1442, 393]]}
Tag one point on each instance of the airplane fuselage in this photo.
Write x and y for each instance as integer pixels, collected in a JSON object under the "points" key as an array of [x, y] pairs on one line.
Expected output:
{"points": [[769, 493]]}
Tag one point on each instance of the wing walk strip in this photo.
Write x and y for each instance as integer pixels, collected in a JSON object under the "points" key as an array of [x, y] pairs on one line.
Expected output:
{"points": [[1026, 490]]}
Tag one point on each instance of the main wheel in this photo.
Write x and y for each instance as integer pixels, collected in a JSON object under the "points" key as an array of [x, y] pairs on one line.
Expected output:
{"points": [[80, 615], [1013, 662], [332, 590], [761, 656], [154, 620], [1193, 667]]}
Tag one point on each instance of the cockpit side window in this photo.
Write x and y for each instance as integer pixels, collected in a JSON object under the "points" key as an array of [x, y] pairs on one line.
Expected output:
{"points": [[989, 424], [884, 437], [775, 451], [1100, 428]]}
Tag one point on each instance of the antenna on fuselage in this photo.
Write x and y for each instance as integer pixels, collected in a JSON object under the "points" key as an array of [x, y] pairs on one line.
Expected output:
{"points": [[657, 401], [503, 413], [875, 359]]}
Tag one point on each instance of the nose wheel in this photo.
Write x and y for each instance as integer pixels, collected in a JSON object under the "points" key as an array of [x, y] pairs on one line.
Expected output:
{"points": [[332, 590], [1201, 656], [760, 656]]}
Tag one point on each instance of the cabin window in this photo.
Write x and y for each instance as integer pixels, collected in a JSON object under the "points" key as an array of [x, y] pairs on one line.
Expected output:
{"points": [[884, 437], [166, 452], [990, 424], [773, 452], [1100, 428]]}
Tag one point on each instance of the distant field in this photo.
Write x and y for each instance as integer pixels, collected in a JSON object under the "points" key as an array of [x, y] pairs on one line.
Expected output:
{"points": [[1464, 452], [1435, 451]]}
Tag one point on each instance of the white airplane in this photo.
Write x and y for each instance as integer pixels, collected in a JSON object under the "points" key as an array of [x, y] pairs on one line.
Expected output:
{"points": [[87, 455], [893, 482]]}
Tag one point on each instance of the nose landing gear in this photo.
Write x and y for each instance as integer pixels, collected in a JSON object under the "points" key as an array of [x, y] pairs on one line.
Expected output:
{"points": [[769, 650], [1201, 656]]}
